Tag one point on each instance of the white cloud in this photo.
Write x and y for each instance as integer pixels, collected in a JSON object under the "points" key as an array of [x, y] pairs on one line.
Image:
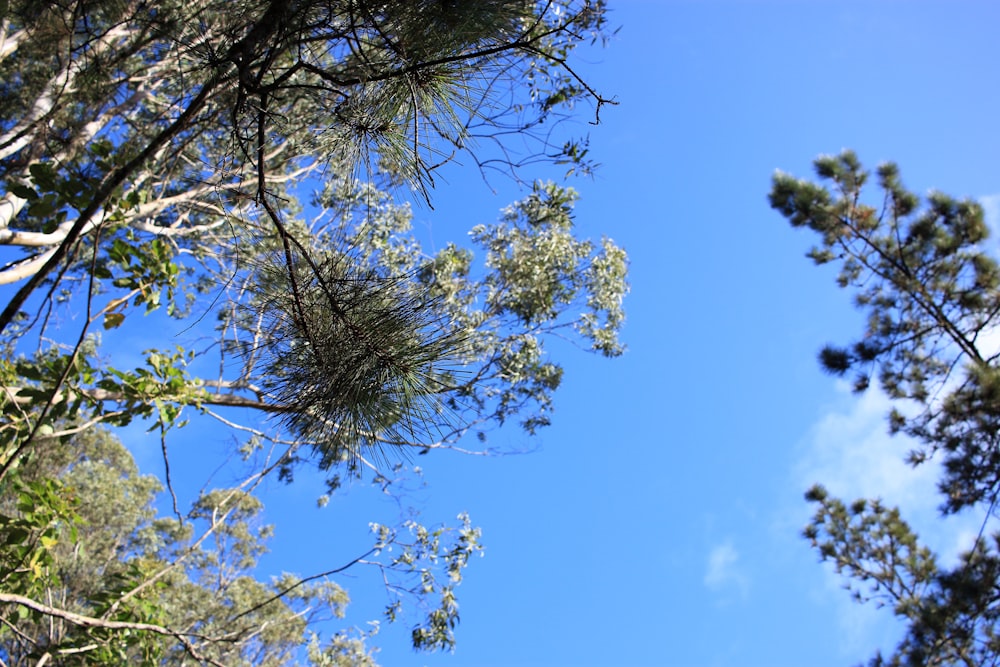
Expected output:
{"points": [[991, 207], [850, 452], [723, 573]]}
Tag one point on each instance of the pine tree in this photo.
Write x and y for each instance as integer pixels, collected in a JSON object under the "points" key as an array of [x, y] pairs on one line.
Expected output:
{"points": [[930, 289]]}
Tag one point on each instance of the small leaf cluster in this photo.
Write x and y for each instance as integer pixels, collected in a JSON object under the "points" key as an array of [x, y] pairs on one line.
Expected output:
{"points": [[423, 552], [146, 269], [44, 514]]}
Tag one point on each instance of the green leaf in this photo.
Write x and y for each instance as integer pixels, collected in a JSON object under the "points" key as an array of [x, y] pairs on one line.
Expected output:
{"points": [[22, 191], [41, 208], [43, 174], [113, 320], [15, 536]]}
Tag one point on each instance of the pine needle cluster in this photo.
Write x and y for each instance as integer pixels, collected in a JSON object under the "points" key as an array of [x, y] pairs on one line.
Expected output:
{"points": [[358, 357]]}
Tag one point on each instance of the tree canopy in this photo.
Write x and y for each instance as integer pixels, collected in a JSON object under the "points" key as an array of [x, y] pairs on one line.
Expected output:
{"points": [[928, 282], [238, 166]]}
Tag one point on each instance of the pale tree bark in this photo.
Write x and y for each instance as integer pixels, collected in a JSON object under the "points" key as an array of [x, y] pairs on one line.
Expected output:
{"points": [[23, 133], [9, 40], [207, 200]]}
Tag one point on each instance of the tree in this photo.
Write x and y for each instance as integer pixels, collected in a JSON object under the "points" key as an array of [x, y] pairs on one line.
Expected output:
{"points": [[930, 289], [99, 576], [157, 157]]}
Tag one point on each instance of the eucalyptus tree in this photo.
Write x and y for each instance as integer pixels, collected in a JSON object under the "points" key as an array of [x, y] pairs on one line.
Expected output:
{"points": [[159, 156], [931, 288]]}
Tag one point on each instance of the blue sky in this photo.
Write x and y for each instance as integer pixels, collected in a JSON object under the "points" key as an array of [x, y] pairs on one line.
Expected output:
{"points": [[657, 522]]}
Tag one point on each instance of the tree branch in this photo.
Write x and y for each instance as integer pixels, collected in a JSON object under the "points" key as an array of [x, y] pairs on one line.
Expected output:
{"points": [[114, 180], [93, 622]]}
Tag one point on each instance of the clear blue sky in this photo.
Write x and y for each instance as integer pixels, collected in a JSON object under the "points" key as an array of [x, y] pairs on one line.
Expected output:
{"points": [[657, 522]]}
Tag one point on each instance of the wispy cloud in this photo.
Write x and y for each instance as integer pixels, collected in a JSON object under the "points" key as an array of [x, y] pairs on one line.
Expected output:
{"points": [[723, 573], [850, 452], [991, 207]]}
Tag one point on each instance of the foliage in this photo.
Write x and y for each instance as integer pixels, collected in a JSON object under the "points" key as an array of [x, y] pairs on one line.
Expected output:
{"points": [[155, 158], [952, 614], [107, 557], [930, 289]]}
